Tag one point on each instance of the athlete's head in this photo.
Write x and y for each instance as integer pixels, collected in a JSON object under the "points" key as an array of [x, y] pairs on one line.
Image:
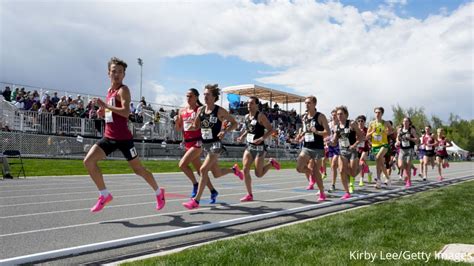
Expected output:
{"points": [[361, 120], [406, 122], [252, 104], [211, 93], [310, 102], [192, 97], [428, 129], [334, 115], [341, 112], [117, 69], [379, 112], [440, 132]]}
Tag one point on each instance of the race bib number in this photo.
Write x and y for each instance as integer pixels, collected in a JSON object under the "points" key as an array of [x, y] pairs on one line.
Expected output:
{"points": [[187, 125], [377, 137], [108, 116], [213, 119], [344, 142], [206, 133], [256, 148], [440, 148], [253, 122], [361, 144], [405, 143], [309, 137], [250, 137], [133, 152], [428, 148]]}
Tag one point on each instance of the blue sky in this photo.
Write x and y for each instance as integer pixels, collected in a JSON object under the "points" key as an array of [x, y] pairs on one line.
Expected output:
{"points": [[341, 54]]}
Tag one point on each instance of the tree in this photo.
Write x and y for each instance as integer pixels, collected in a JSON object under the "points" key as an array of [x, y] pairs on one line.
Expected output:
{"points": [[417, 116]]}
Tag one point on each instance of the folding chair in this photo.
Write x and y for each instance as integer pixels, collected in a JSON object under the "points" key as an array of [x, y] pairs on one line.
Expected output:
{"points": [[15, 154]]}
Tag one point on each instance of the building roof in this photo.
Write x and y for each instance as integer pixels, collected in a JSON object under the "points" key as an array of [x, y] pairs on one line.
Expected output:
{"points": [[263, 93]]}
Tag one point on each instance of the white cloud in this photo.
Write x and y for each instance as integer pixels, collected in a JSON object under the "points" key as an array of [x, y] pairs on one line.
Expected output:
{"points": [[360, 59]]}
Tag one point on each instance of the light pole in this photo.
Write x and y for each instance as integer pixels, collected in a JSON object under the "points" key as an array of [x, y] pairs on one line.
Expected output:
{"points": [[140, 63]]}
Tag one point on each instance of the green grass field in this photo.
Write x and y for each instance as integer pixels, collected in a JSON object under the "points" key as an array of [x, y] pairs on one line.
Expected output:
{"points": [[423, 222], [54, 167]]}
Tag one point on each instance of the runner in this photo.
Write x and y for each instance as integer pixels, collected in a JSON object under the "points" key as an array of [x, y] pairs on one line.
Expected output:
{"points": [[315, 128], [332, 148], [255, 125], [210, 118], [363, 150], [406, 138], [430, 142], [421, 154], [192, 142], [348, 135], [377, 132], [116, 110], [441, 152]]}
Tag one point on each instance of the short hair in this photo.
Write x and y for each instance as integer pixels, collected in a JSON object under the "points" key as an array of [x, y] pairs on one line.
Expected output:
{"points": [[361, 117], [312, 98], [379, 108], [214, 89], [333, 111], [116, 61], [343, 108], [254, 98]]}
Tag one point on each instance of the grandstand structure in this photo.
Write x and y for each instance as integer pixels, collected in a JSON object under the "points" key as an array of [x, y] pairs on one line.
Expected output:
{"points": [[44, 134], [266, 94]]}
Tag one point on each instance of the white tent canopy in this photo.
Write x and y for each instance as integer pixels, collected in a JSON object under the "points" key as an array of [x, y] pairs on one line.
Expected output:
{"points": [[456, 149]]}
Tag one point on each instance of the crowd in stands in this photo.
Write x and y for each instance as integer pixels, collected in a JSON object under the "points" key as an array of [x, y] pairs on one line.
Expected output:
{"points": [[286, 123], [72, 106]]}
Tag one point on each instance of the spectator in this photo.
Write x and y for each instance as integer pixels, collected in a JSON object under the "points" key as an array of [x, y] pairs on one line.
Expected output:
{"points": [[43, 98], [55, 99], [143, 100], [7, 94], [14, 94], [79, 100]]}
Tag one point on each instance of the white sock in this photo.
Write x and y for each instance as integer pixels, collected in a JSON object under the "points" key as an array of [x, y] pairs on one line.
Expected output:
{"points": [[104, 192], [158, 191]]}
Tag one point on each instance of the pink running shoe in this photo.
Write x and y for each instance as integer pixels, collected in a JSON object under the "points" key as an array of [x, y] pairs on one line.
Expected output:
{"points": [[346, 196], [322, 196], [237, 172], [275, 164], [365, 169], [247, 197], [414, 171], [160, 200], [101, 202], [408, 184], [440, 178], [191, 204], [312, 181]]}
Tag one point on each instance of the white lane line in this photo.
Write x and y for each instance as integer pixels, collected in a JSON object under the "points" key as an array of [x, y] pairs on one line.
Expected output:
{"points": [[147, 216], [146, 202], [226, 181], [188, 230], [236, 204], [186, 192], [123, 205]]}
